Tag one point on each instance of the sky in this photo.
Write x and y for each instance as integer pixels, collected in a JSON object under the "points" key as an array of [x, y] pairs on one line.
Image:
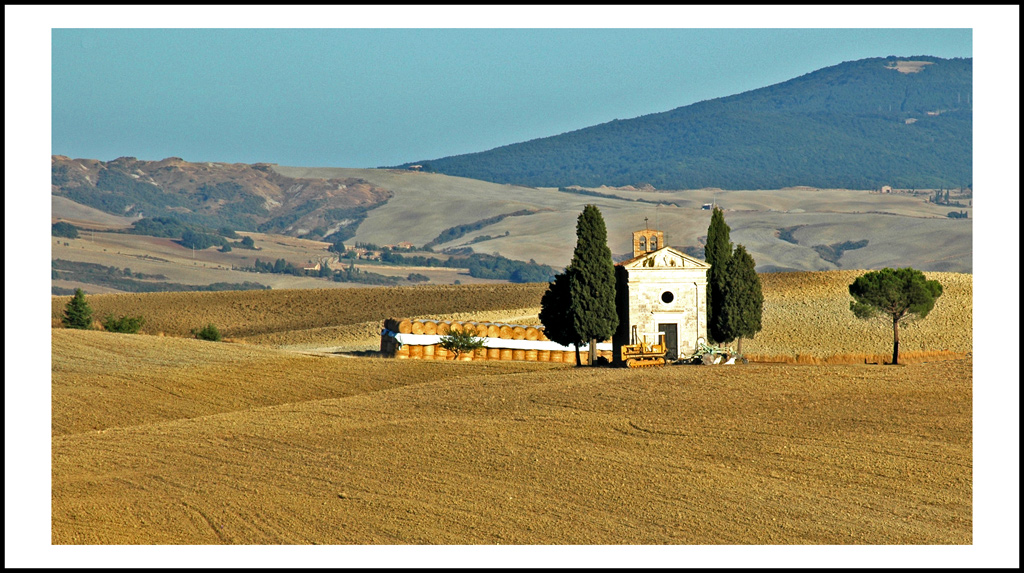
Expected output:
{"points": [[365, 86], [376, 97]]}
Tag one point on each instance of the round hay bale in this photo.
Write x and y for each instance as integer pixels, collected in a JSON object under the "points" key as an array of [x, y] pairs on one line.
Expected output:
{"points": [[429, 327], [415, 351], [456, 327], [428, 352], [505, 331], [481, 330], [402, 351], [441, 353], [405, 326], [506, 354], [466, 356], [493, 331], [480, 354], [531, 355], [444, 328], [569, 357], [540, 334], [519, 354], [417, 327], [543, 356], [494, 354], [532, 333], [518, 333]]}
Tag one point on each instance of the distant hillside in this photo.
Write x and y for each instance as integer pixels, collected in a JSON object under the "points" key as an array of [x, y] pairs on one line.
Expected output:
{"points": [[239, 196], [903, 122]]}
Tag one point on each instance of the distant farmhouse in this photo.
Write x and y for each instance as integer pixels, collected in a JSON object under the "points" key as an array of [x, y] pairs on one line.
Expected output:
{"points": [[661, 290]]}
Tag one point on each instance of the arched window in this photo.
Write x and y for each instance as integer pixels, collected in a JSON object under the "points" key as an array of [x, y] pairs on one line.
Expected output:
{"points": [[654, 243], [643, 244]]}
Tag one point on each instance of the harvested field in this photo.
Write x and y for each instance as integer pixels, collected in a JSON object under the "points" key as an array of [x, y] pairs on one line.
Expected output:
{"points": [[373, 451]]}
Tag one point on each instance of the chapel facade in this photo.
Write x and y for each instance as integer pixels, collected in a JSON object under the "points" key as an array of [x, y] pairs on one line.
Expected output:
{"points": [[661, 289]]}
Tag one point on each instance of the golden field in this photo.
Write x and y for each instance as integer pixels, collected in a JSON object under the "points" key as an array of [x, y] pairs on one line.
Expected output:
{"points": [[171, 440]]}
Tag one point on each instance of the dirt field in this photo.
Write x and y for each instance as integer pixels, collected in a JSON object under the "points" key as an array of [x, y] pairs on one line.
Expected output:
{"points": [[244, 445]]}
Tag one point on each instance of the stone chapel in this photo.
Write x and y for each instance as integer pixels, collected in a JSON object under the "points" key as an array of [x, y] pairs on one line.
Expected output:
{"points": [[661, 289]]}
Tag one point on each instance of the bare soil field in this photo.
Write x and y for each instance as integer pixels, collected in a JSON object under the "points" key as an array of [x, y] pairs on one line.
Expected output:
{"points": [[239, 445]]}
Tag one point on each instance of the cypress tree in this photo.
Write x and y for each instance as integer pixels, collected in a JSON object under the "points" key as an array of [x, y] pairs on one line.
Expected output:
{"points": [[717, 252], [743, 300], [78, 313], [555, 313], [592, 282]]}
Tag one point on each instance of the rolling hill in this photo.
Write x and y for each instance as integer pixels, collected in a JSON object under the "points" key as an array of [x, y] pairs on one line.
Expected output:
{"points": [[902, 122]]}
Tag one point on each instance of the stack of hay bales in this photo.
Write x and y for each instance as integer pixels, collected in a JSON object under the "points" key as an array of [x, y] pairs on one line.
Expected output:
{"points": [[390, 347]]}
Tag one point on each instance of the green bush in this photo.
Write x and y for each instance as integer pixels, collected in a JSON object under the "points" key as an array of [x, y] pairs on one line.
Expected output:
{"points": [[66, 230], [208, 332], [461, 341], [125, 324]]}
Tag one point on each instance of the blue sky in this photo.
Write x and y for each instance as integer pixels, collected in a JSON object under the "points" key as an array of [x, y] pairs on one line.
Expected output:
{"points": [[373, 97]]}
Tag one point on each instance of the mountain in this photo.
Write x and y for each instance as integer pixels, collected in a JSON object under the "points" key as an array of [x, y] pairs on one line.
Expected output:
{"points": [[235, 195], [905, 123]]}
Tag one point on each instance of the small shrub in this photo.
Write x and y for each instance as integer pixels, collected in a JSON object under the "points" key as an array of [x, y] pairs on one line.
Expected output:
{"points": [[78, 313], [125, 324], [208, 332], [460, 342]]}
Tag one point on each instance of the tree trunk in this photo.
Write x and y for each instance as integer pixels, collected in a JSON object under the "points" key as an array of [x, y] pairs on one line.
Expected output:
{"points": [[592, 355], [578, 361], [895, 341], [739, 346]]}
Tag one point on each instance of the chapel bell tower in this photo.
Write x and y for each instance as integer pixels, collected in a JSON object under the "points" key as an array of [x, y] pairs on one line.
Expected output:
{"points": [[647, 241]]}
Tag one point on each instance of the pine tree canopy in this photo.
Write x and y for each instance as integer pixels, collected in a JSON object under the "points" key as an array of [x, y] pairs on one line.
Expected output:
{"points": [[894, 295]]}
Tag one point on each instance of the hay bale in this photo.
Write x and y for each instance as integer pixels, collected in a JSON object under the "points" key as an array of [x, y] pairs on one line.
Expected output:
{"points": [[518, 333], [519, 354], [505, 331], [456, 327], [415, 351], [428, 352], [443, 328], [480, 354], [481, 330], [429, 327], [405, 326], [543, 356], [441, 353], [532, 333], [493, 331], [569, 357], [417, 327], [506, 354], [466, 356], [494, 354], [402, 351], [540, 334], [531, 355]]}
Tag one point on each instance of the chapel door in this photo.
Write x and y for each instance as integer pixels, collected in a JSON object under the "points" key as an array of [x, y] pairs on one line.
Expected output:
{"points": [[671, 339]]}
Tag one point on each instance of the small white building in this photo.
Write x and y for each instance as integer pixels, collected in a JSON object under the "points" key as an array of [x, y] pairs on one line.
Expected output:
{"points": [[661, 289]]}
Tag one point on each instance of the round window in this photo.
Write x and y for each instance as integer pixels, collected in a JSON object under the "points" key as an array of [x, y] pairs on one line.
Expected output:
{"points": [[667, 297]]}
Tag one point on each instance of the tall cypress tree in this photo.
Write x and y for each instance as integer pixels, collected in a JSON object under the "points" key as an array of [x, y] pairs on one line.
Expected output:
{"points": [[717, 253], [742, 299], [592, 281]]}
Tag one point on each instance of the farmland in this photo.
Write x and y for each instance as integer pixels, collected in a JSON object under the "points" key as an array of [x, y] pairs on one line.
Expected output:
{"points": [[290, 435]]}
